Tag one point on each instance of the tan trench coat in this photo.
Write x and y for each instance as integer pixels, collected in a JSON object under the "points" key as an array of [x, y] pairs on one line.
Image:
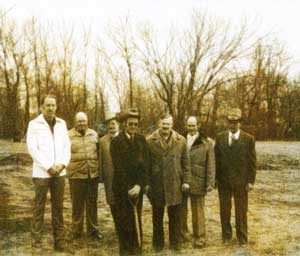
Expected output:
{"points": [[170, 168]]}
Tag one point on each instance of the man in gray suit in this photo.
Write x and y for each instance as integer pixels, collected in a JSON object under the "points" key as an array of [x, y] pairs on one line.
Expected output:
{"points": [[106, 166], [235, 175]]}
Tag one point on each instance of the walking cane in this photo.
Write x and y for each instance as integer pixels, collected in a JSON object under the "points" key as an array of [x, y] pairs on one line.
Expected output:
{"points": [[134, 203]]}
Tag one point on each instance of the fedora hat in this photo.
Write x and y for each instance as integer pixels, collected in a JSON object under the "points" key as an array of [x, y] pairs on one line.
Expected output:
{"points": [[234, 114], [109, 116], [131, 112]]}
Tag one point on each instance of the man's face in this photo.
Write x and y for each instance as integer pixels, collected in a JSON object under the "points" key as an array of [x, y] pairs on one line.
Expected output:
{"points": [[165, 126], [192, 126], [49, 108], [233, 125], [131, 125], [81, 123], [113, 127]]}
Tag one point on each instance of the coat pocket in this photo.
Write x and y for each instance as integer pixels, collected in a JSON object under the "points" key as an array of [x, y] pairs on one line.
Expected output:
{"points": [[198, 171]]}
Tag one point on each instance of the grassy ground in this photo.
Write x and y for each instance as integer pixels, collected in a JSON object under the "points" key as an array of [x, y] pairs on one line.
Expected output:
{"points": [[274, 209]]}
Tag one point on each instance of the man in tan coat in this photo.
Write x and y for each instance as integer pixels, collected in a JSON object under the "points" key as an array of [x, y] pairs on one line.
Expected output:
{"points": [[202, 157], [83, 172], [169, 177], [106, 165]]}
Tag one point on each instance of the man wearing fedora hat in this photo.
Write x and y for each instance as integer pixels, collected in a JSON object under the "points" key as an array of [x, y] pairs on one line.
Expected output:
{"points": [[106, 165], [130, 158], [235, 175]]}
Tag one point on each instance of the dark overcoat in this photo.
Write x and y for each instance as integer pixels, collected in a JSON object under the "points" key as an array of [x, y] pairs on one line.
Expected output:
{"points": [[131, 162], [235, 164], [202, 157], [170, 168]]}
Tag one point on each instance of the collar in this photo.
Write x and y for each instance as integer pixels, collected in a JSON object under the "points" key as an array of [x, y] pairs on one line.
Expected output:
{"points": [[156, 135], [196, 135], [127, 135], [115, 135], [235, 135], [87, 133], [41, 119]]}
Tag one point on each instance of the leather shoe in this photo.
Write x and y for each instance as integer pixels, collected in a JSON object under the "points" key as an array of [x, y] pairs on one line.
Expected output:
{"points": [[185, 237], [199, 244], [96, 236], [226, 241], [61, 247]]}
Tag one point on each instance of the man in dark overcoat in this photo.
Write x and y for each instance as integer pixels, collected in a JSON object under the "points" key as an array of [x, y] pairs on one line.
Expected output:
{"points": [[169, 177], [130, 158], [235, 175]]}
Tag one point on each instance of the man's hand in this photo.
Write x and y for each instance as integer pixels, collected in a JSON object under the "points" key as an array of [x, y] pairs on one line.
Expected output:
{"points": [[185, 187], [135, 191], [249, 187], [53, 171], [59, 167], [209, 189]]}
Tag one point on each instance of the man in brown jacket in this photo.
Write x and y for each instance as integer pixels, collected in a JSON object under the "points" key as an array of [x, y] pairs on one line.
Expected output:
{"points": [[83, 172], [169, 176], [235, 175], [202, 157]]}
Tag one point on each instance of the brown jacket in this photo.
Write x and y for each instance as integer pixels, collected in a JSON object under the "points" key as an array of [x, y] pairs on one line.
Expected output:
{"points": [[203, 169], [84, 155], [106, 167], [170, 168]]}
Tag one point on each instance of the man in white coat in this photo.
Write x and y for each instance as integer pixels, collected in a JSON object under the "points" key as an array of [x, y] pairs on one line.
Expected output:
{"points": [[49, 146]]}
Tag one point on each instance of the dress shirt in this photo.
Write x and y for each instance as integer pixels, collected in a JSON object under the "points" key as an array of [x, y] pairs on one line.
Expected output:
{"points": [[233, 136]]}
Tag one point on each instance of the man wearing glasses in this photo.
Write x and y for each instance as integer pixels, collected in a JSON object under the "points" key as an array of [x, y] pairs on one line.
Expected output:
{"points": [[130, 158]]}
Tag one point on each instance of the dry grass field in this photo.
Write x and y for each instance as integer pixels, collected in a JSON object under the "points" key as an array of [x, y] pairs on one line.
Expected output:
{"points": [[274, 209]]}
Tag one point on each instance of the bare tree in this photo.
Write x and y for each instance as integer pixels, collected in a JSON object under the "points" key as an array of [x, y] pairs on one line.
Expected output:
{"points": [[192, 65]]}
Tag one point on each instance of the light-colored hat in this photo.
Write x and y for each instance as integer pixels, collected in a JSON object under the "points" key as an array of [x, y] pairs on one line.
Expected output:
{"points": [[234, 114], [109, 116]]}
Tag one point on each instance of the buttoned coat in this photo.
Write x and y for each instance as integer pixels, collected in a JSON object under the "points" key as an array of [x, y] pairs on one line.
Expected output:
{"points": [[131, 162], [170, 168], [202, 158], [235, 164], [106, 167]]}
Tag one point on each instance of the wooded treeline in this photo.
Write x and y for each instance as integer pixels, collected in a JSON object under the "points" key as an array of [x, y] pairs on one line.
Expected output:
{"points": [[201, 70]]}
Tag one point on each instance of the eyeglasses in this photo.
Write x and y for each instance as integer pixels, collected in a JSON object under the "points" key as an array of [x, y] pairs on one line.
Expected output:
{"points": [[132, 124]]}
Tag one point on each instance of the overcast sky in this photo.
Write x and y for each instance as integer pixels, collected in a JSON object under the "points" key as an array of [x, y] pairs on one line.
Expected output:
{"points": [[279, 17]]}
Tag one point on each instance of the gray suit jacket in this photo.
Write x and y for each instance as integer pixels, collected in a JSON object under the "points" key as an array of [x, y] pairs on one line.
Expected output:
{"points": [[106, 167]]}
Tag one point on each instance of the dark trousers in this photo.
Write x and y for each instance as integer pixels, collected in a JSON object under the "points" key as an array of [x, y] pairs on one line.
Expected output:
{"points": [[174, 215], [41, 186], [123, 213], [184, 214], [240, 196], [84, 194]]}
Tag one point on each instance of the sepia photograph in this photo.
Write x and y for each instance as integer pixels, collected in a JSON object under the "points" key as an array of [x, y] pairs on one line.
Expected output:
{"points": [[147, 128]]}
